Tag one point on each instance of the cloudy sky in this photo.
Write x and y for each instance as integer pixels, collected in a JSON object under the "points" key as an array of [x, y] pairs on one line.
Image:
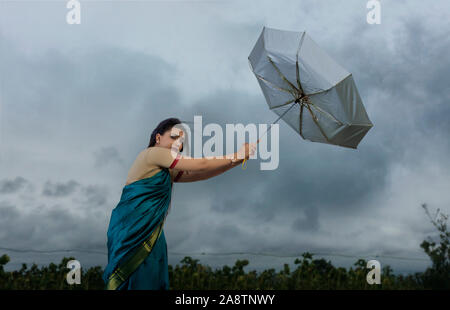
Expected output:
{"points": [[78, 103]]}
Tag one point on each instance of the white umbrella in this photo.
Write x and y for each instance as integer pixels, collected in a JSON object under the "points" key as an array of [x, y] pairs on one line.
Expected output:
{"points": [[311, 92]]}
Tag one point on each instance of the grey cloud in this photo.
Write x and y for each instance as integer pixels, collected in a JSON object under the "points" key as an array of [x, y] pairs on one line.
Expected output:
{"points": [[108, 87], [229, 234], [107, 155], [229, 231], [52, 227], [8, 211], [60, 217], [69, 224], [59, 189], [414, 75], [227, 205], [309, 222], [96, 195], [12, 186]]}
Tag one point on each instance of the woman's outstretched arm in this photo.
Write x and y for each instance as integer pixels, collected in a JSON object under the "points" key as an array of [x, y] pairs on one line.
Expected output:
{"points": [[246, 151], [212, 163], [167, 158], [193, 176]]}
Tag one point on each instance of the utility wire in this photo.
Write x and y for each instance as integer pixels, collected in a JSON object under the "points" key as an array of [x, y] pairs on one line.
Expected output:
{"points": [[225, 254], [52, 251]]}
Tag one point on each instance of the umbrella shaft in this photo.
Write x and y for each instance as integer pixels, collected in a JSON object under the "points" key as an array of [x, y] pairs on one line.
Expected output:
{"points": [[270, 127]]}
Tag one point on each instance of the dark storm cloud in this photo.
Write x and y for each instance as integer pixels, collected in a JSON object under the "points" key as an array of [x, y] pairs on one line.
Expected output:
{"points": [[309, 222], [8, 211], [107, 155], [69, 224], [226, 205], [66, 225], [414, 73], [58, 214], [9, 186], [51, 228], [107, 88], [436, 121], [95, 195], [59, 189], [227, 232]]}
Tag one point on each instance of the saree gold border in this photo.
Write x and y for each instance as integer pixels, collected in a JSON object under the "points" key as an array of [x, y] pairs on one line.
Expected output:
{"points": [[122, 273]]}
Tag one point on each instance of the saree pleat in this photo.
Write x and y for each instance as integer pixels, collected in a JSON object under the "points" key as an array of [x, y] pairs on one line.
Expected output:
{"points": [[137, 249]]}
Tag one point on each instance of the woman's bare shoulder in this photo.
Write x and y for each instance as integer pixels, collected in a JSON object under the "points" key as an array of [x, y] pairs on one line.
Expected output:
{"points": [[153, 148]]}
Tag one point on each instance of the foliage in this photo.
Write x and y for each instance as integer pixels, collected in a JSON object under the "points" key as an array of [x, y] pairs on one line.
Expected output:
{"points": [[438, 275]]}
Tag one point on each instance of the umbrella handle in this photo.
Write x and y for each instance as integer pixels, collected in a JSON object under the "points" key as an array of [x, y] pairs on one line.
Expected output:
{"points": [[243, 163]]}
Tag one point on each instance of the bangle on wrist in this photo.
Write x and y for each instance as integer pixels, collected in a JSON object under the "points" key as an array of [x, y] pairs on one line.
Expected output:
{"points": [[234, 159]]}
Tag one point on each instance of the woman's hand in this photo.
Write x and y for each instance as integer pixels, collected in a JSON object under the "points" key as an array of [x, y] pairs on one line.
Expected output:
{"points": [[252, 149], [246, 150]]}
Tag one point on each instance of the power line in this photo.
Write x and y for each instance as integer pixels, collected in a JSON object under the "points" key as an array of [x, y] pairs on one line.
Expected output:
{"points": [[300, 255], [52, 251], [226, 254]]}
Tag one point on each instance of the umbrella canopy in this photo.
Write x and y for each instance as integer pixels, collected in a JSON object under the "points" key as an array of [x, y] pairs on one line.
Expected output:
{"points": [[310, 91]]}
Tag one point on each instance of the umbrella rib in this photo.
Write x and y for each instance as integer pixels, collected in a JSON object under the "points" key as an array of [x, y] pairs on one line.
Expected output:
{"points": [[320, 92], [273, 85], [301, 120], [297, 69], [325, 90], [277, 106], [326, 113], [317, 123], [281, 74]]}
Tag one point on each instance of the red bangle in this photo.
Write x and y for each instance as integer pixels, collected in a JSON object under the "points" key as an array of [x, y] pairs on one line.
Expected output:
{"points": [[175, 161]]}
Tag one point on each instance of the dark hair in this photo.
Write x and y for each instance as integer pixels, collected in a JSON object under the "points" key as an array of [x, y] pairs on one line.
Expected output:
{"points": [[162, 127]]}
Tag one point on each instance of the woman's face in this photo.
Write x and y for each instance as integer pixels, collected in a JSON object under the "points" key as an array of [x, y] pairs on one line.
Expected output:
{"points": [[169, 139]]}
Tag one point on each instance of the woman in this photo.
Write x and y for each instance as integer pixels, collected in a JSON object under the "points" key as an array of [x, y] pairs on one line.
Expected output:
{"points": [[137, 249]]}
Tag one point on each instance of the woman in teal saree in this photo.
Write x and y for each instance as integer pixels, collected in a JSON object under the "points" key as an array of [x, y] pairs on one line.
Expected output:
{"points": [[137, 249], [136, 254]]}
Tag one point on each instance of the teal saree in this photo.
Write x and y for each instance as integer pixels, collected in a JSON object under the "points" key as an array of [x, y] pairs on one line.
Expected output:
{"points": [[137, 249]]}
